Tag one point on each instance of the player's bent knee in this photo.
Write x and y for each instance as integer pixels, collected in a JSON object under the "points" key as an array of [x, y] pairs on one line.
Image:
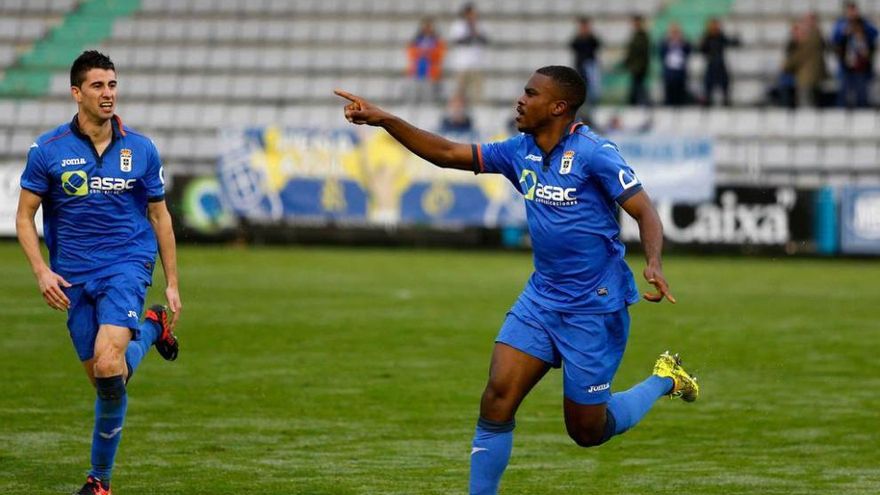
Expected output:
{"points": [[591, 434], [110, 388], [587, 438]]}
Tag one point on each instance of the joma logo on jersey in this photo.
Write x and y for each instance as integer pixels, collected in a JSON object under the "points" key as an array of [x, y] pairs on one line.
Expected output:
{"points": [[77, 183], [67, 162], [545, 193]]}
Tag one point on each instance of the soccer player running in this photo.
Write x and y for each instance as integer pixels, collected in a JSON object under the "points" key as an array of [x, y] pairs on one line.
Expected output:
{"points": [[573, 312], [103, 196]]}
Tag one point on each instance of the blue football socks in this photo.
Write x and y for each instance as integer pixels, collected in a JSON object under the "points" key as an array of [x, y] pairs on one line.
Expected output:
{"points": [[137, 349], [109, 415], [490, 452], [626, 409]]}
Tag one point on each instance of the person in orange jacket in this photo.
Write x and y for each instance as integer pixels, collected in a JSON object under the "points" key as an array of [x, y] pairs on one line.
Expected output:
{"points": [[425, 52]]}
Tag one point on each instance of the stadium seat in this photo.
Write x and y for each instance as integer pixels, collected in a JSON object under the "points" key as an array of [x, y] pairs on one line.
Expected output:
{"points": [[837, 155], [806, 155], [20, 141], [747, 123], [719, 121], [777, 122], [776, 155], [864, 124], [29, 113], [134, 114], [806, 123], [835, 124], [865, 157], [691, 121], [7, 113], [5, 144]]}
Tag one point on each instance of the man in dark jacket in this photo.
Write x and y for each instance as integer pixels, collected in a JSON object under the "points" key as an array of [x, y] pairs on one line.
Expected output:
{"points": [[638, 58], [585, 46], [713, 46], [674, 53]]}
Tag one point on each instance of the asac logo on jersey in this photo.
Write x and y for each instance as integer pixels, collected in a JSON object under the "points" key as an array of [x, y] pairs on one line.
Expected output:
{"points": [[77, 183], [567, 160], [547, 194], [125, 160]]}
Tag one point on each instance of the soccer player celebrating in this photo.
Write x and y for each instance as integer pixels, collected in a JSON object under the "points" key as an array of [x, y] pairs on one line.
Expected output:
{"points": [[103, 196], [573, 312]]}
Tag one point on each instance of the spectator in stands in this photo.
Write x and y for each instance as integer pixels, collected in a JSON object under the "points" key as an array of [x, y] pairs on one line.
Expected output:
{"points": [[713, 45], [469, 39], [674, 53], [785, 92], [805, 61], [637, 60], [457, 120], [585, 46], [855, 40], [426, 51], [851, 14]]}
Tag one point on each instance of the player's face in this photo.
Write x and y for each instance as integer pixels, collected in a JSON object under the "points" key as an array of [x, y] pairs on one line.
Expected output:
{"points": [[539, 104], [96, 97]]}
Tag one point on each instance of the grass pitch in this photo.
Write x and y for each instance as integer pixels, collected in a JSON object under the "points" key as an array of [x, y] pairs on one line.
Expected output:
{"points": [[355, 371]]}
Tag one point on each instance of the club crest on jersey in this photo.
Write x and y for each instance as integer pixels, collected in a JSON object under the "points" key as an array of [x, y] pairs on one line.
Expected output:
{"points": [[567, 160], [125, 160]]}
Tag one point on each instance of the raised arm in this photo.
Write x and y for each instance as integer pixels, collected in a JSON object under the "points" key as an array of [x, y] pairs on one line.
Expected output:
{"points": [[433, 148], [49, 282], [651, 233]]}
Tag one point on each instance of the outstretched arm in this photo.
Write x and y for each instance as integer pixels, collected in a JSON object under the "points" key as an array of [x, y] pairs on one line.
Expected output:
{"points": [[50, 283], [651, 233], [433, 148]]}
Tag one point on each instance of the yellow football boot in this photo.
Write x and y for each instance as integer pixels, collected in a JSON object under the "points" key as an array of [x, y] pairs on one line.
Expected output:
{"points": [[686, 386]]}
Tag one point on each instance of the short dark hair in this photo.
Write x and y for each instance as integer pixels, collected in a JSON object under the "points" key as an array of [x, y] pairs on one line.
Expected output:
{"points": [[573, 87], [88, 60]]}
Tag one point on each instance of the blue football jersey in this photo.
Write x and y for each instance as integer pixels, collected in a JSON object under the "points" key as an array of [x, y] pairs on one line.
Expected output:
{"points": [[571, 197], [95, 207]]}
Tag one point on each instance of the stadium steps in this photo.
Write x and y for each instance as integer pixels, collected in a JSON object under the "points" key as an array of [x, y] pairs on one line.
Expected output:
{"points": [[85, 26]]}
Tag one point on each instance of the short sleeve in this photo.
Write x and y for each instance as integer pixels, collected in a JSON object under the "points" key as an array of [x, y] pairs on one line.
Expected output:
{"points": [[496, 158], [615, 177], [155, 176], [35, 177]]}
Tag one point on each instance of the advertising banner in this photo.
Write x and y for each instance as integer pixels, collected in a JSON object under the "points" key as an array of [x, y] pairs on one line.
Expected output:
{"points": [[352, 177], [672, 168], [362, 176], [860, 220], [739, 216]]}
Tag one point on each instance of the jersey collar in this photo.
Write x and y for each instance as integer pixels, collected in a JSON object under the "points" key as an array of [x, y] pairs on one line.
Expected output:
{"points": [[115, 122]]}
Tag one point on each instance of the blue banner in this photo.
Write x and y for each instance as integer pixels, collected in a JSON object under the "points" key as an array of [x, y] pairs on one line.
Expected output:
{"points": [[860, 220]]}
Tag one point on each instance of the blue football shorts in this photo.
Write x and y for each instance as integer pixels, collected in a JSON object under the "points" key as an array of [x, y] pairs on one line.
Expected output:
{"points": [[588, 347], [112, 300]]}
